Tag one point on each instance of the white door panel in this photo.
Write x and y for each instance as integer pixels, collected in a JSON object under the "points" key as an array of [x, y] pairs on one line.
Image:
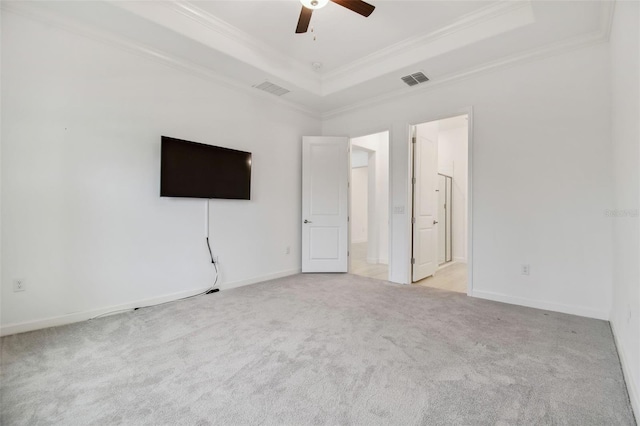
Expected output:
{"points": [[425, 203], [325, 168]]}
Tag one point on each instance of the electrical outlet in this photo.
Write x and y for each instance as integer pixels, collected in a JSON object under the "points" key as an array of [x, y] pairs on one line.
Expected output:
{"points": [[19, 285], [287, 250], [525, 270]]}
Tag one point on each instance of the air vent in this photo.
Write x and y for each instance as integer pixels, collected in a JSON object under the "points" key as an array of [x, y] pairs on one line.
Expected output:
{"points": [[274, 89], [415, 79]]}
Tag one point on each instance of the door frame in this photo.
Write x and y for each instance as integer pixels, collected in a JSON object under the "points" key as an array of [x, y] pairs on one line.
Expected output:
{"points": [[389, 199], [410, 126]]}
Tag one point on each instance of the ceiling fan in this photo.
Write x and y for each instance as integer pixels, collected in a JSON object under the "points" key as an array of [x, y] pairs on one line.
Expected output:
{"points": [[308, 6]]}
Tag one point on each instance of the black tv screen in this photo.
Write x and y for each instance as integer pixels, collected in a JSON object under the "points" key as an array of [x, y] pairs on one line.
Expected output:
{"points": [[195, 170]]}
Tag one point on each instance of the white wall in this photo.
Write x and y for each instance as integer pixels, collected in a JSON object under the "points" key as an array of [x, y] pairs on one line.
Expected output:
{"points": [[359, 204], [359, 158], [452, 161], [625, 312], [83, 222], [378, 146], [541, 177]]}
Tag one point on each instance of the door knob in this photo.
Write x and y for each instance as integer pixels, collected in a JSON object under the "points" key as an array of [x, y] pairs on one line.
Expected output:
{"points": [[435, 222], [307, 221]]}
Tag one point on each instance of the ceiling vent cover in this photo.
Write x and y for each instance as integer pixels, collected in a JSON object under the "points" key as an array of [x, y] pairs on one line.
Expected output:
{"points": [[415, 79], [274, 89]]}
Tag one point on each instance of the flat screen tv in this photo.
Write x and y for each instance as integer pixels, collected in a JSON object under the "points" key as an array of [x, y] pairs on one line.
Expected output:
{"points": [[195, 170]]}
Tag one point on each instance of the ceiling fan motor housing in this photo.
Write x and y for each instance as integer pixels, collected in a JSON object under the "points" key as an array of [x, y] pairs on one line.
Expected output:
{"points": [[308, 6], [314, 4]]}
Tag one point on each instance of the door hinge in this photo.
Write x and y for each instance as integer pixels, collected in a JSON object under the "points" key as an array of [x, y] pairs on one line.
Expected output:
{"points": [[413, 220], [347, 218], [413, 260], [413, 139], [413, 181]]}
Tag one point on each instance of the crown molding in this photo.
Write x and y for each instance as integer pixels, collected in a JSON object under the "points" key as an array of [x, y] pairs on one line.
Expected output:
{"points": [[292, 66], [488, 21], [194, 23], [532, 55], [31, 11]]}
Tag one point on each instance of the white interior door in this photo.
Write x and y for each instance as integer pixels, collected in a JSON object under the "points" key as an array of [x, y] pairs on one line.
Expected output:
{"points": [[325, 180], [425, 204]]}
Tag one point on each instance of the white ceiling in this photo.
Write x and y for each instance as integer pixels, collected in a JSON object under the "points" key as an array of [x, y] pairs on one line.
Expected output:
{"points": [[339, 35], [247, 42]]}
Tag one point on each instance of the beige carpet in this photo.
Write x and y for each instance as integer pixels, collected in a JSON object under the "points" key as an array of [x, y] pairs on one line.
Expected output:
{"points": [[326, 349]]}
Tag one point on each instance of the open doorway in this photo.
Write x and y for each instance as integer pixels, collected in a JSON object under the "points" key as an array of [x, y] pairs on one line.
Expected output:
{"points": [[440, 204], [369, 206]]}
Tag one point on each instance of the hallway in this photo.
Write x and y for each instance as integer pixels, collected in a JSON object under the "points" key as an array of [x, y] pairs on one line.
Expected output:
{"points": [[452, 277], [359, 265]]}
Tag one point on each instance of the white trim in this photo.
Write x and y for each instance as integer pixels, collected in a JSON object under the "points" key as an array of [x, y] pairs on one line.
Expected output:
{"points": [[233, 34], [497, 17], [410, 132], [262, 278], [199, 25], [55, 21], [469, 257], [489, 21], [468, 111], [186, 9], [513, 60], [484, 14], [22, 327], [634, 394], [388, 130], [29, 10], [539, 304]]}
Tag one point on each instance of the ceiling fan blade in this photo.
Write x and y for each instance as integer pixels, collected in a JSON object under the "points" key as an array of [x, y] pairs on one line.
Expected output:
{"points": [[303, 21], [358, 6]]}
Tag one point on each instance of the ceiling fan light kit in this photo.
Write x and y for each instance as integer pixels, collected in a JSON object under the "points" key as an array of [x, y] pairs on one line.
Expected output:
{"points": [[314, 4], [308, 6]]}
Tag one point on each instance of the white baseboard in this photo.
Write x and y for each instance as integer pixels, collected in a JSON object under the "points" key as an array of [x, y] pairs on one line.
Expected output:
{"points": [[632, 386], [259, 279], [549, 306], [461, 259], [23, 327], [383, 261], [372, 260], [358, 241]]}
